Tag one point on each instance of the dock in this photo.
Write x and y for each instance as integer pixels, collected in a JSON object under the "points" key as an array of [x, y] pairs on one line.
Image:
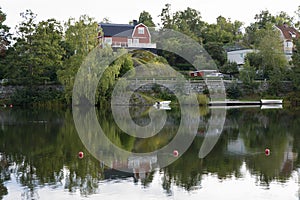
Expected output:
{"points": [[234, 103]]}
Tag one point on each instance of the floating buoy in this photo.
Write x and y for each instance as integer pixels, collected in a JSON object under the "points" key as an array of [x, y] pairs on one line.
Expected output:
{"points": [[10, 105], [175, 153], [80, 154], [267, 152]]}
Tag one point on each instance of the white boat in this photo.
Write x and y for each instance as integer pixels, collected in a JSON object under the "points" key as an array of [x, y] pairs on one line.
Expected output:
{"points": [[162, 105], [271, 101]]}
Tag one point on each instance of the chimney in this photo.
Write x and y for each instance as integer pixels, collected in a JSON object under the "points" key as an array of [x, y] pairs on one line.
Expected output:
{"points": [[135, 22]]}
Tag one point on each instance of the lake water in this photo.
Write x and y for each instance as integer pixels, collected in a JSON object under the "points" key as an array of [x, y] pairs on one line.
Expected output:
{"points": [[39, 157]]}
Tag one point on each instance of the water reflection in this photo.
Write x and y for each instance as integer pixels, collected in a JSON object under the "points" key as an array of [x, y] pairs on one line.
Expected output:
{"points": [[39, 152]]}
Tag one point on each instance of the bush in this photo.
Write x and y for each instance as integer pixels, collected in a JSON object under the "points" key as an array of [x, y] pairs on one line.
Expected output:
{"points": [[202, 99], [36, 95]]}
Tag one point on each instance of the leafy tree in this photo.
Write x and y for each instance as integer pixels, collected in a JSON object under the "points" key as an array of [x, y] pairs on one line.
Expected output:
{"points": [[217, 52], [188, 21], [80, 39], [224, 31], [166, 17], [4, 42], [265, 20], [247, 75], [146, 19], [270, 48], [275, 86], [296, 63], [4, 34], [37, 52], [230, 68], [81, 35], [270, 55], [297, 24]]}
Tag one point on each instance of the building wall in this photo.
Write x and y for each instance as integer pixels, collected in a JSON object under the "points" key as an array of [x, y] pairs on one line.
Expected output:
{"points": [[144, 37]]}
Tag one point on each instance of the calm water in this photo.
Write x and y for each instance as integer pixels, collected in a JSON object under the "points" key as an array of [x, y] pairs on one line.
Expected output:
{"points": [[39, 158]]}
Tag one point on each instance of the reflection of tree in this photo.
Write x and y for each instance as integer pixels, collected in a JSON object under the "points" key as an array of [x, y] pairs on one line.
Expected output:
{"points": [[45, 153], [44, 150], [259, 130], [4, 174]]}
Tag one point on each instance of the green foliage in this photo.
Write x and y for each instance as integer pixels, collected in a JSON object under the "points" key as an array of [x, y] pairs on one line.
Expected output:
{"points": [[188, 21], [217, 52], [4, 34], [247, 76], [233, 91], [224, 31], [296, 67], [29, 96], [265, 20], [230, 68], [202, 99], [275, 85], [80, 39], [270, 55], [203, 61], [146, 19], [36, 54]]}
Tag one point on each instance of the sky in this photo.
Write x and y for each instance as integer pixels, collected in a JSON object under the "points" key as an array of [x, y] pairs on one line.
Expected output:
{"points": [[120, 11]]}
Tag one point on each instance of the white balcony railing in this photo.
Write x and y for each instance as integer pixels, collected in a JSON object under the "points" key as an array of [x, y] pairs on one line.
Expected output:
{"points": [[134, 45]]}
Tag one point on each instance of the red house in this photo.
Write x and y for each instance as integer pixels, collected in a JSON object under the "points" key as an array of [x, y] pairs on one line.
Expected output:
{"points": [[126, 35]]}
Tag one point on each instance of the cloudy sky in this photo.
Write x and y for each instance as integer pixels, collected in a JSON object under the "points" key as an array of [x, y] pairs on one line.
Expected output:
{"points": [[120, 11]]}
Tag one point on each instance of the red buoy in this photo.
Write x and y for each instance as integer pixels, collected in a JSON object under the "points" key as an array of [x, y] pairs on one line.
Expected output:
{"points": [[175, 153], [80, 154], [267, 152]]}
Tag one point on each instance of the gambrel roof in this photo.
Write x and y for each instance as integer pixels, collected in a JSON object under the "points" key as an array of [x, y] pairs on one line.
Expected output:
{"points": [[120, 30]]}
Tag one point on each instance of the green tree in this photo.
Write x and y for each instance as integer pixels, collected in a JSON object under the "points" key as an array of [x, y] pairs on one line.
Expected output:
{"points": [[230, 68], [4, 34], [297, 12], [146, 19], [217, 52], [296, 63], [247, 75], [265, 20], [37, 52], [80, 39], [270, 48], [224, 31], [4, 42], [188, 21], [166, 17]]}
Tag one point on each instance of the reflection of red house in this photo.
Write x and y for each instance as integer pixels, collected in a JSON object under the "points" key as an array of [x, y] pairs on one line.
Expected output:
{"points": [[126, 35]]}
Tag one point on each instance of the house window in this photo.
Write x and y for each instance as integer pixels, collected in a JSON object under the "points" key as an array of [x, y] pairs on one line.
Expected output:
{"points": [[129, 41], [141, 30], [135, 41], [108, 40]]}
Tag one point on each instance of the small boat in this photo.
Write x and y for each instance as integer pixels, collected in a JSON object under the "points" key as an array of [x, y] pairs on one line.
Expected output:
{"points": [[271, 101], [162, 105]]}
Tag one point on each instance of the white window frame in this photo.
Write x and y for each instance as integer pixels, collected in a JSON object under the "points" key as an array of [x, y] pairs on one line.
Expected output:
{"points": [[129, 41], [136, 41], [141, 30], [108, 40]]}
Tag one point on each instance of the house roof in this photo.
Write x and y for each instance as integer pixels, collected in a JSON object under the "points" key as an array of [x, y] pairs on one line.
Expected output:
{"points": [[289, 33], [238, 56], [121, 30]]}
